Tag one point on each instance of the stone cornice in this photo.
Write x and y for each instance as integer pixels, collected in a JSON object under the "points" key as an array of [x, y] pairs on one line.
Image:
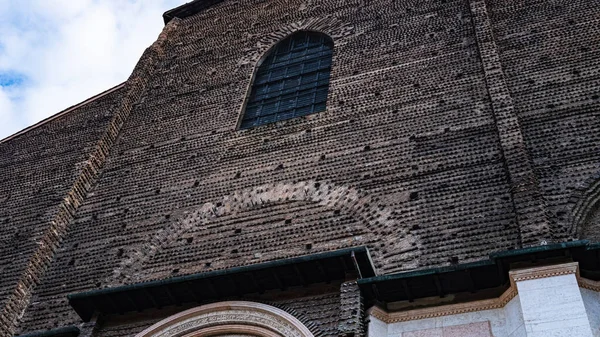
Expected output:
{"points": [[444, 310], [518, 275], [588, 284], [543, 272]]}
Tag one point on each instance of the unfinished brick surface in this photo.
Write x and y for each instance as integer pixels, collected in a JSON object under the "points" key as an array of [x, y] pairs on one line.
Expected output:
{"points": [[453, 129]]}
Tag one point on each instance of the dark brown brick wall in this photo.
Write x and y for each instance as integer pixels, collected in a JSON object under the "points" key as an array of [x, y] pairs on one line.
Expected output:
{"points": [[38, 169], [550, 51], [453, 129], [406, 159]]}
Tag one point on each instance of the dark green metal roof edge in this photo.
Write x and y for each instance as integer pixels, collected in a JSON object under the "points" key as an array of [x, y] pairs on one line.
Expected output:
{"points": [[64, 331], [425, 272], [235, 270], [593, 246], [538, 249], [482, 263]]}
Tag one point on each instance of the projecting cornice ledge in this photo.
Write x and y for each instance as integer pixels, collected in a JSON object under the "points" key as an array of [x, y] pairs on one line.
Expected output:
{"points": [[218, 284], [444, 310], [486, 279], [554, 270], [516, 276], [544, 271]]}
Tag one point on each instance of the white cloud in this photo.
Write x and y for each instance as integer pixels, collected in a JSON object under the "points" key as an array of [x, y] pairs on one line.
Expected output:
{"points": [[64, 51]]}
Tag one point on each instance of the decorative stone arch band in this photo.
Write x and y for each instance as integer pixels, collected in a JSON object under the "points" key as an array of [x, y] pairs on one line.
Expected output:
{"points": [[333, 27], [353, 202], [233, 318]]}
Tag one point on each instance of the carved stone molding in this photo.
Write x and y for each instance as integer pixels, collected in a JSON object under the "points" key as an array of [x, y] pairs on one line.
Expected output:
{"points": [[444, 310], [233, 318], [589, 284], [543, 272], [554, 270], [495, 303], [233, 331]]}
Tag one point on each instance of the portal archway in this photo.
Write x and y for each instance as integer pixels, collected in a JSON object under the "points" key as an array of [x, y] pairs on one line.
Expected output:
{"points": [[231, 318]]}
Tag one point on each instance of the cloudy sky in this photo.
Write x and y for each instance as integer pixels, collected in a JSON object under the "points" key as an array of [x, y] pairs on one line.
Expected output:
{"points": [[57, 53]]}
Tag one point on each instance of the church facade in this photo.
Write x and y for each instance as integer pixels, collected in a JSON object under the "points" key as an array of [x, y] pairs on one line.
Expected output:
{"points": [[320, 168]]}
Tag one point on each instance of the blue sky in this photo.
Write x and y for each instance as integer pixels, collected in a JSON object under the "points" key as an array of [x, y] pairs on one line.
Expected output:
{"points": [[57, 53], [12, 79]]}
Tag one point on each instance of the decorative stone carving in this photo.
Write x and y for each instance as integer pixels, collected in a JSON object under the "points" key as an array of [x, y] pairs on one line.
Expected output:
{"points": [[543, 272], [232, 318], [444, 310]]}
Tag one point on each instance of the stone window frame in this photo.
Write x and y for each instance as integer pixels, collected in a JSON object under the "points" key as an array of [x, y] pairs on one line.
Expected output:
{"points": [[321, 87]]}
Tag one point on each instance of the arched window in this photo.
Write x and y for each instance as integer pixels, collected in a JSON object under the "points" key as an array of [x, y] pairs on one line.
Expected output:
{"points": [[292, 81]]}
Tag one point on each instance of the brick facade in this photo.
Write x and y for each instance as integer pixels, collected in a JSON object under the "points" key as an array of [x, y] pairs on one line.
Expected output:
{"points": [[453, 129]]}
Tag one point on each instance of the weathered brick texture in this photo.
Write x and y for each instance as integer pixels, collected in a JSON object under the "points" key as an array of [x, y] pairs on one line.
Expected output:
{"points": [[44, 173], [453, 129], [550, 52], [352, 312]]}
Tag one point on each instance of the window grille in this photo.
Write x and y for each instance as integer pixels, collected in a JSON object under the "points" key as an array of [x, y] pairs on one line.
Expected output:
{"points": [[292, 81]]}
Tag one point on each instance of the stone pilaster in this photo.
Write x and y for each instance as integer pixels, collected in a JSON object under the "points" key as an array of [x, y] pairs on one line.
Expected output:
{"points": [[551, 301]]}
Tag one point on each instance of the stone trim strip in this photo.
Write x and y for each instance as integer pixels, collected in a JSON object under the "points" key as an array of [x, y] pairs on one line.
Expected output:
{"points": [[233, 330], [543, 272], [588, 284], [444, 310]]}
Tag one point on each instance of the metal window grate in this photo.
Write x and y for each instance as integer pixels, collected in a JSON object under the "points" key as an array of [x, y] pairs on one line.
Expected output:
{"points": [[292, 81]]}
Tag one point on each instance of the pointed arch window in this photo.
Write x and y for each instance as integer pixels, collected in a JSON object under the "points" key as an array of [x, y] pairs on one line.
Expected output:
{"points": [[292, 81]]}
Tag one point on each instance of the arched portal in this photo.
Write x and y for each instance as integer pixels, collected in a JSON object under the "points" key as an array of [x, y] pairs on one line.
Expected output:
{"points": [[231, 318]]}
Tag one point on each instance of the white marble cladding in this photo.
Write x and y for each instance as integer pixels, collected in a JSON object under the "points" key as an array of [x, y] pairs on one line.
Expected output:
{"points": [[514, 325], [591, 300], [549, 303]]}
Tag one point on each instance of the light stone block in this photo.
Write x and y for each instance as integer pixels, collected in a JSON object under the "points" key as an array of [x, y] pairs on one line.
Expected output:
{"points": [[437, 332], [515, 326], [415, 325], [377, 328], [552, 305], [591, 301], [480, 329]]}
